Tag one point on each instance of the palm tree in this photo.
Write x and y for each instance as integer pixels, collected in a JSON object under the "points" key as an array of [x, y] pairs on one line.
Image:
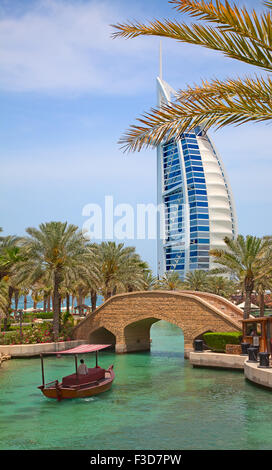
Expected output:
{"points": [[3, 300], [121, 268], [263, 280], [238, 34], [10, 256], [196, 280], [170, 281], [221, 285], [53, 250], [150, 282], [263, 283], [243, 258]]}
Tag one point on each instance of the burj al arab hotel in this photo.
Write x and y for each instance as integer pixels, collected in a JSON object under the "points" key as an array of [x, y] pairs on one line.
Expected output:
{"points": [[196, 199]]}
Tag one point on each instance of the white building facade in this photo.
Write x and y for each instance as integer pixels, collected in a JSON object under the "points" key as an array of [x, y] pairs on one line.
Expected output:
{"points": [[193, 190]]}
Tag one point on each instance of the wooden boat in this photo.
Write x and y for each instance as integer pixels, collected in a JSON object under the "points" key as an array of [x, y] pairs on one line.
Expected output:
{"points": [[98, 380]]}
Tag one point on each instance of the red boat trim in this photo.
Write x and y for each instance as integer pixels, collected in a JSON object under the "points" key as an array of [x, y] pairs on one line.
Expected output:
{"points": [[83, 349]]}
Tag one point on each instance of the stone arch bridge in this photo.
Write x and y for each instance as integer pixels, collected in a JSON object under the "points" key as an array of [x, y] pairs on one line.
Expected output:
{"points": [[125, 320]]}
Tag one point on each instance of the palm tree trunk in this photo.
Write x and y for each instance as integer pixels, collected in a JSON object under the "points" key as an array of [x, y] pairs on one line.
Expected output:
{"points": [[93, 299], [56, 303], [79, 302], [261, 304], [16, 299], [48, 303], [25, 302], [247, 308], [7, 314], [108, 290], [67, 303], [248, 287], [60, 315]]}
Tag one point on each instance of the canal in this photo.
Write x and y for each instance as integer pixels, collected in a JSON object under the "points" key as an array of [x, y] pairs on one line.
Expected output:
{"points": [[158, 401]]}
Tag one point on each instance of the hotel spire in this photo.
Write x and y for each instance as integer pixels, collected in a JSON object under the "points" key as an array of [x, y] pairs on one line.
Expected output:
{"points": [[160, 72]]}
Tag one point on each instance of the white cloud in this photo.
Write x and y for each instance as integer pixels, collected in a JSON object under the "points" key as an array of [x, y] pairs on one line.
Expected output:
{"points": [[65, 46]]}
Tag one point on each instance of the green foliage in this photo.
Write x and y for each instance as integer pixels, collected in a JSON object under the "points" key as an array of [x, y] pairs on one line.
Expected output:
{"points": [[68, 317], [38, 334], [170, 281], [217, 341], [43, 315]]}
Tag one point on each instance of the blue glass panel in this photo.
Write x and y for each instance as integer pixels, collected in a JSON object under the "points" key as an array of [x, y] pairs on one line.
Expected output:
{"points": [[197, 168], [199, 180], [193, 266], [191, 146], [198, 185]]}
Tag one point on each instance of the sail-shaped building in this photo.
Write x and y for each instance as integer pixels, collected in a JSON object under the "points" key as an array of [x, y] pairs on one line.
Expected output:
{"points": [[198, 209]]}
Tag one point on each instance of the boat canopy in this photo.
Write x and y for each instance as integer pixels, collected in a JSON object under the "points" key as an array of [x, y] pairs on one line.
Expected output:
{"points": [[83, 348]]}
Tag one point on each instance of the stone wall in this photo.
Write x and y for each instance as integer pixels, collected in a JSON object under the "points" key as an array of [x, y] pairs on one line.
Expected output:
{"points": [[31, 350], [233, 349]]}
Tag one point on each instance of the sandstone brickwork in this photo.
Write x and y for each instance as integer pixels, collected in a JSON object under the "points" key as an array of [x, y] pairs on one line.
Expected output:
{"points": [[233, 349], [125, 319]]}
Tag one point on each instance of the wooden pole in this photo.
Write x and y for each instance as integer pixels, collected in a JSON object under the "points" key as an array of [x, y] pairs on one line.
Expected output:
{"points": [[42, 369], [76, 367]]}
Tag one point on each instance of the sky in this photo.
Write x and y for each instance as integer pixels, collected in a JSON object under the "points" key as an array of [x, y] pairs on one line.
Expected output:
{"points": [[68, 91]]}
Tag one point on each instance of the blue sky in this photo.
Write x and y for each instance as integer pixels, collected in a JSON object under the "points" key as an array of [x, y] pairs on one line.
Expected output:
{"points": [[68, 91]]}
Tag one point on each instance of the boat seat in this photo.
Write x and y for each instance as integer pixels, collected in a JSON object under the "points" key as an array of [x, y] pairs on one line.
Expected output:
{"points": [[96, 373]]}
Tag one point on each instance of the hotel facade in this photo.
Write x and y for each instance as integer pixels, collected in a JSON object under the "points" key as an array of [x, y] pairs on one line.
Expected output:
{"points": [[193, 190]]}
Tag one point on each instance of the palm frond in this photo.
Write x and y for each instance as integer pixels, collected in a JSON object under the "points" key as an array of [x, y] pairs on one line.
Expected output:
{"points": [[268, 3], [230, 18], [257, 88], [214, 104], [231, 44]]}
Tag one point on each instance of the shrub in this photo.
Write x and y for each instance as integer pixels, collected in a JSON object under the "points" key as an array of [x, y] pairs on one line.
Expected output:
{"points": [[43, 315], [217, 341], [38, 334]]}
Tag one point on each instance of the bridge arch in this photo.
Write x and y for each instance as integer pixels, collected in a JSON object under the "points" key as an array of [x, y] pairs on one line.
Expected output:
{"points": [[129, 317], [102, 336], [137, 334]]}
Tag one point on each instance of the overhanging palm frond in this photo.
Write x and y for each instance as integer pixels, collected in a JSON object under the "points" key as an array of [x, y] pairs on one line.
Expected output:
{"points": [[231, 18], [268, 3], [213, 104], [232, 44], [239, 34], [258, 88]]}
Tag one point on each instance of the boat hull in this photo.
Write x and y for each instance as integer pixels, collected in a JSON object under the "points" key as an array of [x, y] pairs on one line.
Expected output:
{"points": [[79, 391]]}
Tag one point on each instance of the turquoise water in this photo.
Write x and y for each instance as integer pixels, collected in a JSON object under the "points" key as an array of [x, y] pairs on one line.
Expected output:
{"points": [[158, 401]]}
